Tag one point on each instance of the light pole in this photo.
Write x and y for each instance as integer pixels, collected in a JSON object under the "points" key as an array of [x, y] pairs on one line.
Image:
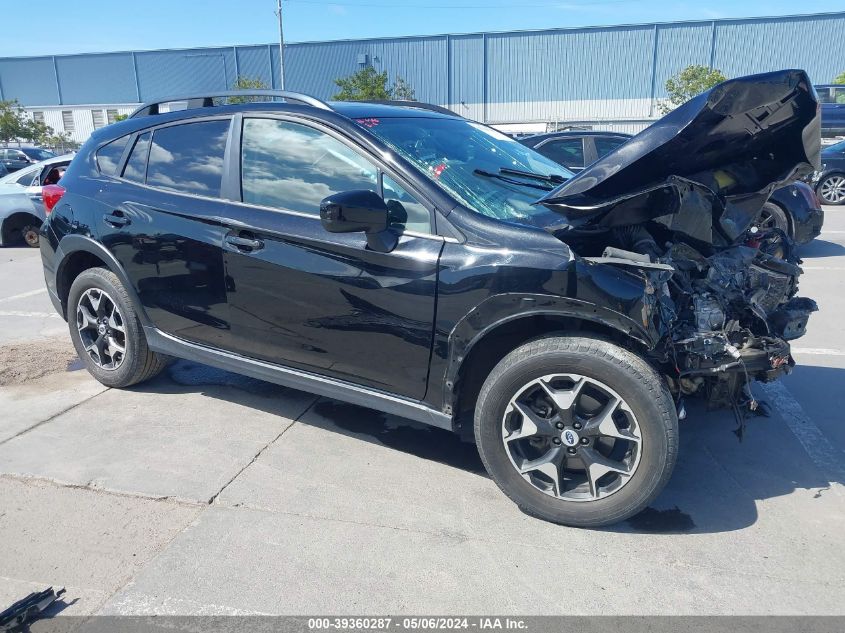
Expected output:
{"points": [[281, 46]]}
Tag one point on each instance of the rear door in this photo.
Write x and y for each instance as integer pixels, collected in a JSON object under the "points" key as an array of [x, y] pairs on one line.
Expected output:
{"points": [[160, 217], [323, 302]]}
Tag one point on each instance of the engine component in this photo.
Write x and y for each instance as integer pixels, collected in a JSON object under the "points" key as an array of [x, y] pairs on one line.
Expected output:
{"points": [[709, 316]]}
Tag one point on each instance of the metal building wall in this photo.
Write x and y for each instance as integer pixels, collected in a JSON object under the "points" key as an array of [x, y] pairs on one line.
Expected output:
{"points": [[612, 76]]}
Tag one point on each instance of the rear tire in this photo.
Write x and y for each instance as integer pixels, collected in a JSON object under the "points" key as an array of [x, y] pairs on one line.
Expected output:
{"points": [[613, 448], [107, 333], [30, 235], [831, 189]]}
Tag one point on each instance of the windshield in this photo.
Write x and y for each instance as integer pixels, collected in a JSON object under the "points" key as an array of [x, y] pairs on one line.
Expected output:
{"points": [[485, 170], [37, 154]]}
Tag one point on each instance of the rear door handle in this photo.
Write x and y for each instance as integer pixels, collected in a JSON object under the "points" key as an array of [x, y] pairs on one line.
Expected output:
{"points": [[116, 219], [244, 243]]}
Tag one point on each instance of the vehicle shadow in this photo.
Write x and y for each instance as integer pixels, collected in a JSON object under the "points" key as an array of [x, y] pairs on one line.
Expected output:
{"points": [[715, 487], [821, 248]]}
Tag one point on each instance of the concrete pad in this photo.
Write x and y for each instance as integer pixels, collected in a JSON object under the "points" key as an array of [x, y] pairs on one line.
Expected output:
{"points": [[354, 464], [160, 440], [262, 562], [334, 464], [89, 542], [31, 403]]}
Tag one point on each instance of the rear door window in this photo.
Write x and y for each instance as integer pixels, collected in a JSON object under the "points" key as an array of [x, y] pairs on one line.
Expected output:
{"points": [[136, 166], [189, 157], [568, 152]]}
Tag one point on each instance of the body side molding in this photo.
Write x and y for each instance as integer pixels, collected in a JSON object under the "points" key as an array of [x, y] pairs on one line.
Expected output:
{"points": [[163, 343]]}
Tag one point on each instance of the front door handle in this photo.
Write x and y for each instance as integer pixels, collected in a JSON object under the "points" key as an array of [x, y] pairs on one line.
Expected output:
{"points": [[116, 219], [244, 243]]}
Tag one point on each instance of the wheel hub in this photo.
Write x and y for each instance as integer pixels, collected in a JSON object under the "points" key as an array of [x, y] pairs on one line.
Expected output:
{"points": [[101, 329], [572, 437]]}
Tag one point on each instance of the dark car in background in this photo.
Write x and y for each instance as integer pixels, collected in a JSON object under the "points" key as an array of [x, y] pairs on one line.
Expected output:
{"points": [[830, 181], [832, 101], [18, 157], [794, 209], [575, 149]]}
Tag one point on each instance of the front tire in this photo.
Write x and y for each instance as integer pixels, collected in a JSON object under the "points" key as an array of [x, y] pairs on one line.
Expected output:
{"points": [[107, 333], [773, 217], [577, 430]]}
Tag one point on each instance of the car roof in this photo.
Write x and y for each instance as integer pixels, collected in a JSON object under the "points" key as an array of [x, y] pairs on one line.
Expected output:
{"points": [[577, 133], [371, 109]]}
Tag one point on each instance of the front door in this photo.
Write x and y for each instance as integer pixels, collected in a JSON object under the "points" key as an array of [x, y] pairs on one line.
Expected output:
{"points": [[302, 297]]}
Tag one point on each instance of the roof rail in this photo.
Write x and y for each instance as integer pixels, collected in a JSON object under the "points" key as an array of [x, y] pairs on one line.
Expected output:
{"points": [[414, 104], [207, 100]]}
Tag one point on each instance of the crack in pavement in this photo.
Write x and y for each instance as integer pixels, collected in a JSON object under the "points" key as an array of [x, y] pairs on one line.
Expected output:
{"points": [[53, 417], [214, 497], [92, 487]]}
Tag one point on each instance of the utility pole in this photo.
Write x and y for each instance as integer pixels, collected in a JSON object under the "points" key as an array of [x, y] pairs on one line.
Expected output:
{"points": [[281, 46]]}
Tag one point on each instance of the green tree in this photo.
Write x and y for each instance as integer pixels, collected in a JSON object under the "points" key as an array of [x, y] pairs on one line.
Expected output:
{"points": [[120, 117], [247, 83], [840, 79], [61, 143], [370, 85], [365, 85], [686, 84], [36, 132], [402, 90], [12, 121]]}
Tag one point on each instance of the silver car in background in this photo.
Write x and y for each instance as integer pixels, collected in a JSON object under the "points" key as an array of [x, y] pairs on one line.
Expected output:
{"points": [[21, 205]]}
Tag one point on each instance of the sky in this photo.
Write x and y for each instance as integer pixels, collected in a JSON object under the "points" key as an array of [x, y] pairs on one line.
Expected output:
{"points": [[85, 26]]}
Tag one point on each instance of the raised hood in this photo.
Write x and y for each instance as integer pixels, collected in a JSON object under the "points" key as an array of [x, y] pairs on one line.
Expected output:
{"points": [[722, 152]]}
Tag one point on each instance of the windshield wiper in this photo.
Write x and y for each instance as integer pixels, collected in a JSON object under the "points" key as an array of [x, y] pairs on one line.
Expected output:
{"points": [[521, 183], [553, 178]]}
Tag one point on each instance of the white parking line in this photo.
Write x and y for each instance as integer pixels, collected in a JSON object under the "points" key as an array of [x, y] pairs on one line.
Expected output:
{"points": [[833, 233], [823, 267], [818, 351], [827, 457], [20, 313], [24, 295]]}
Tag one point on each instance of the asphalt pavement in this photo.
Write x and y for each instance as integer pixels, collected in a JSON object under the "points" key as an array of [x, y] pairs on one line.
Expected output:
{"points": [[202, 492]]}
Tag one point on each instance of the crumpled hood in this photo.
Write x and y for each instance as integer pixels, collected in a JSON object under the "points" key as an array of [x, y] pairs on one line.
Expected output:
{"points": [[725, 150]]}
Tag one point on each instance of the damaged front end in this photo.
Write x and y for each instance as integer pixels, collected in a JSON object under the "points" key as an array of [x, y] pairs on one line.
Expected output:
{"points": [[677, 205]]}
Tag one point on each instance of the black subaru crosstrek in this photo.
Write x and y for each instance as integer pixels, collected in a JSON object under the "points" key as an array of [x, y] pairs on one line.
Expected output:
{"points": [[400, 257]]}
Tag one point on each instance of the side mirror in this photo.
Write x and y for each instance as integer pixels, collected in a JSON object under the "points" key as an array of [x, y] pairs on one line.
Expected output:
{"points": [[359, 211]]}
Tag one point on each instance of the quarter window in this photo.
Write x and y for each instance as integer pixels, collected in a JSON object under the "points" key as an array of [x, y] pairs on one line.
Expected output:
{"points": [[108, 156], [292, 166], [606, 145], [406, 212], [136, 166], [27, 178], [189, 157]]}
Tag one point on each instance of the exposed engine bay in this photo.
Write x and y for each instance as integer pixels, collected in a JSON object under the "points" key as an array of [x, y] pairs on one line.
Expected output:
{"points": [[726, 314], [676, 206]]}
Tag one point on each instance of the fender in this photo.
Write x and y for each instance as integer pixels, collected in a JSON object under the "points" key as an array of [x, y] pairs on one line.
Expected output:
{"points": [[74, 243], [500, 309]]}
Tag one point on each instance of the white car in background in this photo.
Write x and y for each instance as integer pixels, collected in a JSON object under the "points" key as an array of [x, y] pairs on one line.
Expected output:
{"points": [[21, 205]]}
